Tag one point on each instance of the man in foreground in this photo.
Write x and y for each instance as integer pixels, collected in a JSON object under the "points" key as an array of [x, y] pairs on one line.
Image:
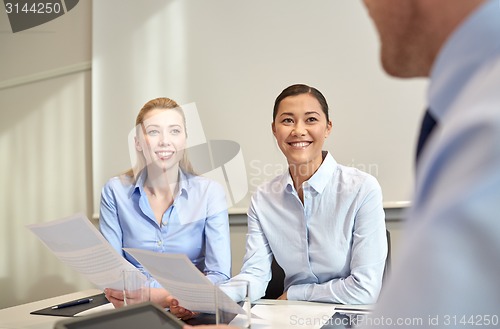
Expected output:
{"points": [[449, 265]]}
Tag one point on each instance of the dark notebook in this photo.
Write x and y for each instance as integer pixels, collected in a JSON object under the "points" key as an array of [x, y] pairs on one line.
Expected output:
{"points": [[97, 300]]}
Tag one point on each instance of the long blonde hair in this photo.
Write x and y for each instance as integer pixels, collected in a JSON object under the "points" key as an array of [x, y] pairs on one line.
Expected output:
{"points": [[161, 103]]}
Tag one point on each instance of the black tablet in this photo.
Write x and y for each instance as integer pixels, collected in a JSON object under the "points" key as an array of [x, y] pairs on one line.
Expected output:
{"points": [[144, 315]]}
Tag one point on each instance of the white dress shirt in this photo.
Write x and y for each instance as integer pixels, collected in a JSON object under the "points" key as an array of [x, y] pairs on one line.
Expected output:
{"points": [[332, 248]]}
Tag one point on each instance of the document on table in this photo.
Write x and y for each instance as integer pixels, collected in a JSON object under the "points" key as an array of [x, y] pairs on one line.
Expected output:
{"points": [[77, 243], [290, 314], [96, 309], [183, 280]]}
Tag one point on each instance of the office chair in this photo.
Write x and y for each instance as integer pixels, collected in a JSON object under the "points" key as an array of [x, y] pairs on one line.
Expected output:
{"points": [[276, 286], [387, 268]]}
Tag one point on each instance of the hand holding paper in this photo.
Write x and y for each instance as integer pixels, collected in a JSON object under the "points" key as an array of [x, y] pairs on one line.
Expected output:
{"points": [[183, 280]]}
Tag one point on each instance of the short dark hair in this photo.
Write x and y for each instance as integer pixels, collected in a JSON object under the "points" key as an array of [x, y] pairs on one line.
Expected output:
{"points": [[299, 89]]}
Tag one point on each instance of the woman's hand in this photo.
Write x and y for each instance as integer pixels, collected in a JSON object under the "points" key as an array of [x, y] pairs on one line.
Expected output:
{"points": [[283, 297], [157, 295], [115, 297], [179, 311]]}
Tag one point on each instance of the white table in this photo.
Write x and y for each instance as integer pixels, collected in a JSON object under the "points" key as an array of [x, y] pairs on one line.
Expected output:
{"points": [[19, 317]]}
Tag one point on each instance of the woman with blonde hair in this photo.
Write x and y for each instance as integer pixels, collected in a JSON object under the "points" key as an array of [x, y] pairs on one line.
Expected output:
{"points": [[161, 205]]}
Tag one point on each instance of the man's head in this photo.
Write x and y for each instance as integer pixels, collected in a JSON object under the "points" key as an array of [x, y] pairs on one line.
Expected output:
{"points": [[413, 31]]}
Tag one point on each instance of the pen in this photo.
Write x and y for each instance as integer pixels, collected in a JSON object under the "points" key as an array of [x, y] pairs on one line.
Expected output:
{"points": [[73, 303]]}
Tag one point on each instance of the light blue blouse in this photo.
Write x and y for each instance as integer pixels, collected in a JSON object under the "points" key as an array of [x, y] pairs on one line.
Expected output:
{"points": [[196, 224], [332, 248]]}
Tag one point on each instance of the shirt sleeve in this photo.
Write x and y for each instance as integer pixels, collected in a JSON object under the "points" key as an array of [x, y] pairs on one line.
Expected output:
{"points": [[217, 237], [368, 255], [256, 267], [109, 224]]}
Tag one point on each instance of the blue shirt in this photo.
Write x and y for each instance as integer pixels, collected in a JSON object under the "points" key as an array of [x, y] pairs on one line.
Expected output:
{"points": [[332, 248], [196, 224], [449, 266]]}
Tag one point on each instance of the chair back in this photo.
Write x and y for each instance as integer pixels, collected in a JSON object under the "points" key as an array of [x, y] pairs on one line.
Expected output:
{"points": [[276, 286]]}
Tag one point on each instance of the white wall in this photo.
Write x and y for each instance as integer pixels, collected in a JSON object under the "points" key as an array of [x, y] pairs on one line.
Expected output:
{"points": [[45, 152]]}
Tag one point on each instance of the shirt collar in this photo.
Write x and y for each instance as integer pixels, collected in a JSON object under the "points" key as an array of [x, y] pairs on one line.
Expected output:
{"points": [[139, 183], [319, 179], [475, 40], [184, 183]]}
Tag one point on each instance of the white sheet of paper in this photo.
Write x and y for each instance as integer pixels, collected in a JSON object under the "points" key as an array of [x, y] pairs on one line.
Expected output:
{"points": [[292, 315], [97, 309], [78, 244], [183, 280]]}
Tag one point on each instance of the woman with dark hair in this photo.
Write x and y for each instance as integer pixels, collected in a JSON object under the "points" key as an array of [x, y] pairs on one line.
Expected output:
{"points": [[324, 223], [161, 205]]}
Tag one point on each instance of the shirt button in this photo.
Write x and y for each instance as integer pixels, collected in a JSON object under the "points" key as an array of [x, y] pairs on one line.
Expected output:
{"points": [[160, 243]]}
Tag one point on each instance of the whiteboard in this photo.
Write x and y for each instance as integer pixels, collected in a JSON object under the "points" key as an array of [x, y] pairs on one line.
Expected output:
{"points": [[232, 58]]}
